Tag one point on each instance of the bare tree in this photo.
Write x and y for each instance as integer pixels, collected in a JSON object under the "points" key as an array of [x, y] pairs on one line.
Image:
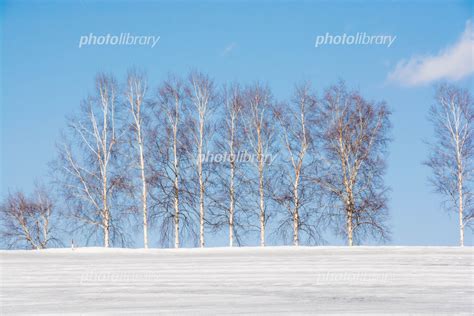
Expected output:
{"points": [[228, 197], [259, 128], [90, 177], [201, 93], [27, 221], [295, 119], [170, 154], [452, 155], [353, 137], [233, 107], [135, 95]]}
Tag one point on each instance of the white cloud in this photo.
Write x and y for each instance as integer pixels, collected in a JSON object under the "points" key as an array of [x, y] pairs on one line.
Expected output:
{"points": [[452, 63], [229, 48]]}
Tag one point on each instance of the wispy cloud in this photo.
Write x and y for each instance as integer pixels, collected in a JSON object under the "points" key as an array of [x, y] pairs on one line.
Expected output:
{"points": [[452, 63], [229, 48]]}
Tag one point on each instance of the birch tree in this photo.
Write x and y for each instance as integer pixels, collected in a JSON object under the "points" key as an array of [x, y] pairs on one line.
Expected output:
{"points": [[27, 221], [297, 196], [353, 134], [90, 177], [452, 154], [229, 171], [259, 129], [170, 154], [135, 95], [201, 93], [233, 108]]}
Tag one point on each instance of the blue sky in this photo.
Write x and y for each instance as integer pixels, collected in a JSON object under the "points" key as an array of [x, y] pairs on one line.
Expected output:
{"points": [[45, 74]]}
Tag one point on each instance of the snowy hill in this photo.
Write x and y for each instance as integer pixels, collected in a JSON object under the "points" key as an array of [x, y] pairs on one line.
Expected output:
{"points": [[288, 280]]}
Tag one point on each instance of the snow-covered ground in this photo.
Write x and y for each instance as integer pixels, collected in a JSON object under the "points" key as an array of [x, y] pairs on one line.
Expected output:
{"points": [[273, 280]]}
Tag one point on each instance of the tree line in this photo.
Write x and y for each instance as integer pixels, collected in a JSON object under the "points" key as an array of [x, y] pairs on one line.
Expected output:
{"points": [[189, 159]]}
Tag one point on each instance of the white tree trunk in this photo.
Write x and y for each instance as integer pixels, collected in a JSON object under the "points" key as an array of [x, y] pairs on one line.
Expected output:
{"points": [[460, 182], [105, 214], [105, 208], [296, 213], [262, 202], [201, 183], [144, 184], [461, 224], [176, 172], [176, 192], [349, 228], [144, 193], [176, 216], [232, 200]]}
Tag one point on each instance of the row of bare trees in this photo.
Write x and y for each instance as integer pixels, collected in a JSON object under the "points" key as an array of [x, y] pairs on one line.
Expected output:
{"points": [[309, 162], [189, 158]]}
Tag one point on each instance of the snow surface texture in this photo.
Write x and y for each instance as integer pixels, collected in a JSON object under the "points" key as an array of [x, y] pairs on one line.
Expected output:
{"points": [[273, 280]]}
